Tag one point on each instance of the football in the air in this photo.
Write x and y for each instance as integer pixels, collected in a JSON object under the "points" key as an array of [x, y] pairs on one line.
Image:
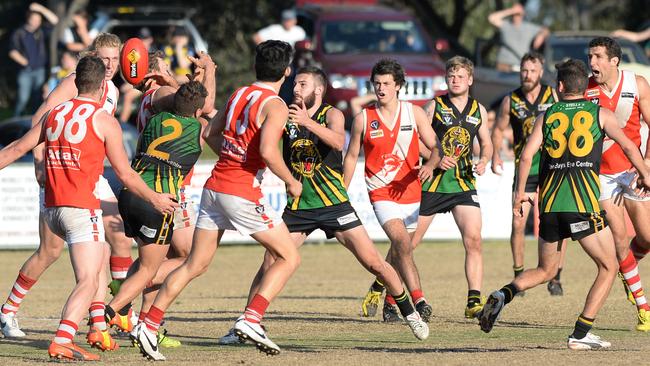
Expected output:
{"points": [[134, 61]]}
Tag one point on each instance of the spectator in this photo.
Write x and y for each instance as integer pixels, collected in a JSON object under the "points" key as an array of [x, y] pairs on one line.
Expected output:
{"points": [[176, 54], [67, 65], [28, 48], [638, 37], [517, 36], [147, 38], [289, 31], [77, 38]]}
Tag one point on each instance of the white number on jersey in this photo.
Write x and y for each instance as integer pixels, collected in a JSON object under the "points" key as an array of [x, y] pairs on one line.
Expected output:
{"points": [[79, 117]]}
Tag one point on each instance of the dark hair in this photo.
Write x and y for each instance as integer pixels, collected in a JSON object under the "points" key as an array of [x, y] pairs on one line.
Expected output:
{"points": [[318, 74], [574, 76], [532, 56], [90, 74], [387, 66], [612, 47], [271, 60], [189, 97]]}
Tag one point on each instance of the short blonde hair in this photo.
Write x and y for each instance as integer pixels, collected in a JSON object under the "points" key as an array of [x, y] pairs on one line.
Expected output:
{"points": [[460, 62], [103, 40]]}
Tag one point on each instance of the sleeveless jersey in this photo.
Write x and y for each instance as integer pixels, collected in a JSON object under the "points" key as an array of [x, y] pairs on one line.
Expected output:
{"points": [[240, 167], [456, 131], [570, 162], [168, 148], [392, 155], [109, 98], [74, 155], [315, 164], [522, 118], [145, 111], [624, 102]]}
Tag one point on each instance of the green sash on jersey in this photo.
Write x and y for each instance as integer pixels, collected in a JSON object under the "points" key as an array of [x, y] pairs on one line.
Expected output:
{"points": [[315, 164], [570, 161], [168, 148], [456, 131], [522, 118]]}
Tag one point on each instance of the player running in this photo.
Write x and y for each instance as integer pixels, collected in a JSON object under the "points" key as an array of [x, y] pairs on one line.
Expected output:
{"points": [[78, 136], [246, 133], [519, 110], [390, 134], [628, 96], [312, 144], [571, 133]]}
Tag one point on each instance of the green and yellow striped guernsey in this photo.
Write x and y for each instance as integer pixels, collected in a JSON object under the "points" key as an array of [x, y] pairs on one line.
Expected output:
{"points": [[315, 164], [570, 160], [168, 148], [456, 131], [522, 118]]}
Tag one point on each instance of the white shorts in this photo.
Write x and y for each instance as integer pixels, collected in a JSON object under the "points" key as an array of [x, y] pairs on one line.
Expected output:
{"points": [[76, 225], [103, 190], [185, 215], [221, 211], [613, 185], [388, 210]]}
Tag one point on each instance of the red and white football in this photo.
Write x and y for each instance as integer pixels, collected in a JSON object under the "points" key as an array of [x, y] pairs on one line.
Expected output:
{"points": [[134, 60]]}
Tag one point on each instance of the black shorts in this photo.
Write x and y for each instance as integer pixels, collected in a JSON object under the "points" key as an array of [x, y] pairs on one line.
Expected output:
{"points": [[330, 219], [434, 203], [142, 221], [555, 226], [531, 184]]}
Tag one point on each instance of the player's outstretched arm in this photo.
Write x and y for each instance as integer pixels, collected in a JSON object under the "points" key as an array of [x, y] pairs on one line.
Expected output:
{"points": [[352, 155], [430, 140], [610, 125], [484, 142], [204, 62], [503, 119], [644, 106], [525, 162], [20, 147], [109, 128], [213, 132], [275, 114]]}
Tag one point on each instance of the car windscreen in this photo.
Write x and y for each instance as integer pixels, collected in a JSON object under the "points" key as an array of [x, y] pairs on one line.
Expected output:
{"points": [[345, 37]]}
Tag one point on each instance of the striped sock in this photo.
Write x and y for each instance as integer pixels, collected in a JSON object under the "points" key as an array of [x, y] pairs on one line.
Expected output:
{"points": [[377, 286], [18, 292], [417, 296], [120, 267], [639, 252], [154, 318], [390, 299], [142, 316], [66, 331], [509, 291], [404, 305], [255, 310], [473, 298], [518, 270], [582, 327], [97, 315], [630, 270]]}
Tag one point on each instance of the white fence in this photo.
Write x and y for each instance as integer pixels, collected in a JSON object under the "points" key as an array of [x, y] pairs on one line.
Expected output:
{"points": [[19, 206]]}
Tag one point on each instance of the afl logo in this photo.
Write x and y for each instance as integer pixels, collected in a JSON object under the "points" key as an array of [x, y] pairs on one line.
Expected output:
{"points": [[374, 124]]}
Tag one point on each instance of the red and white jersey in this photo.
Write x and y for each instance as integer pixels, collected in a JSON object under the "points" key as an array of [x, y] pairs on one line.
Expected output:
{"points": [[240, 166], [146, 110], [392, 155], [74, 154], [623, 100], [110, 97]]}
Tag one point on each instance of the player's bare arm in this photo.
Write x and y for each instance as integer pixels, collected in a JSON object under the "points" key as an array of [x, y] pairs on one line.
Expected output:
{"points": [[430, 140], [352, 155], [205, 63], [275, 114], [110, 130], [503, 119], [429, 109], [485, 143], [644, 107], [333, 135], [20, 147], [213, 132], [525, 162]]}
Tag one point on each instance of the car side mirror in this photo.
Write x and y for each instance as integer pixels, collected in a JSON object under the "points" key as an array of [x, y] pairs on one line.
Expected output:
{"points": [[303, 46]]}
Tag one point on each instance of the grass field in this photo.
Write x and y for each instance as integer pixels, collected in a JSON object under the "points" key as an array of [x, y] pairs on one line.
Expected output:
{"points": [[316, 319]]}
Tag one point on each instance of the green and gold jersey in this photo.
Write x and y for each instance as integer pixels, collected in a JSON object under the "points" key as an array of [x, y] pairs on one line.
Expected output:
{"points": [[456, 131], [168, 148], [570, 161], [315, 164], [522, 118]]}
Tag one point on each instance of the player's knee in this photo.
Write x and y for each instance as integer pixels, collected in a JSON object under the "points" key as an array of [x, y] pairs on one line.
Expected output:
{"points": [[402, 248], [50, 253], [472, 243]]}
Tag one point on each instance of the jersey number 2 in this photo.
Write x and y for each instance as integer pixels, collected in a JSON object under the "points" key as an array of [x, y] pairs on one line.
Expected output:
{"points": [[176, 132]]}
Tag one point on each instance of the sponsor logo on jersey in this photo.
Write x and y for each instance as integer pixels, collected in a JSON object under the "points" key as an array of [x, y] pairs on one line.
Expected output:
{"points": [[446, 111], [446, 120], [231, 148], [292, 129], [375, 134], [148, 232], [627, 95], [593, 93], [543, 107], [374, 124], [63, 157], [595, 100], [351, 217], [406, 128], [472, 120], [579, 226]]}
